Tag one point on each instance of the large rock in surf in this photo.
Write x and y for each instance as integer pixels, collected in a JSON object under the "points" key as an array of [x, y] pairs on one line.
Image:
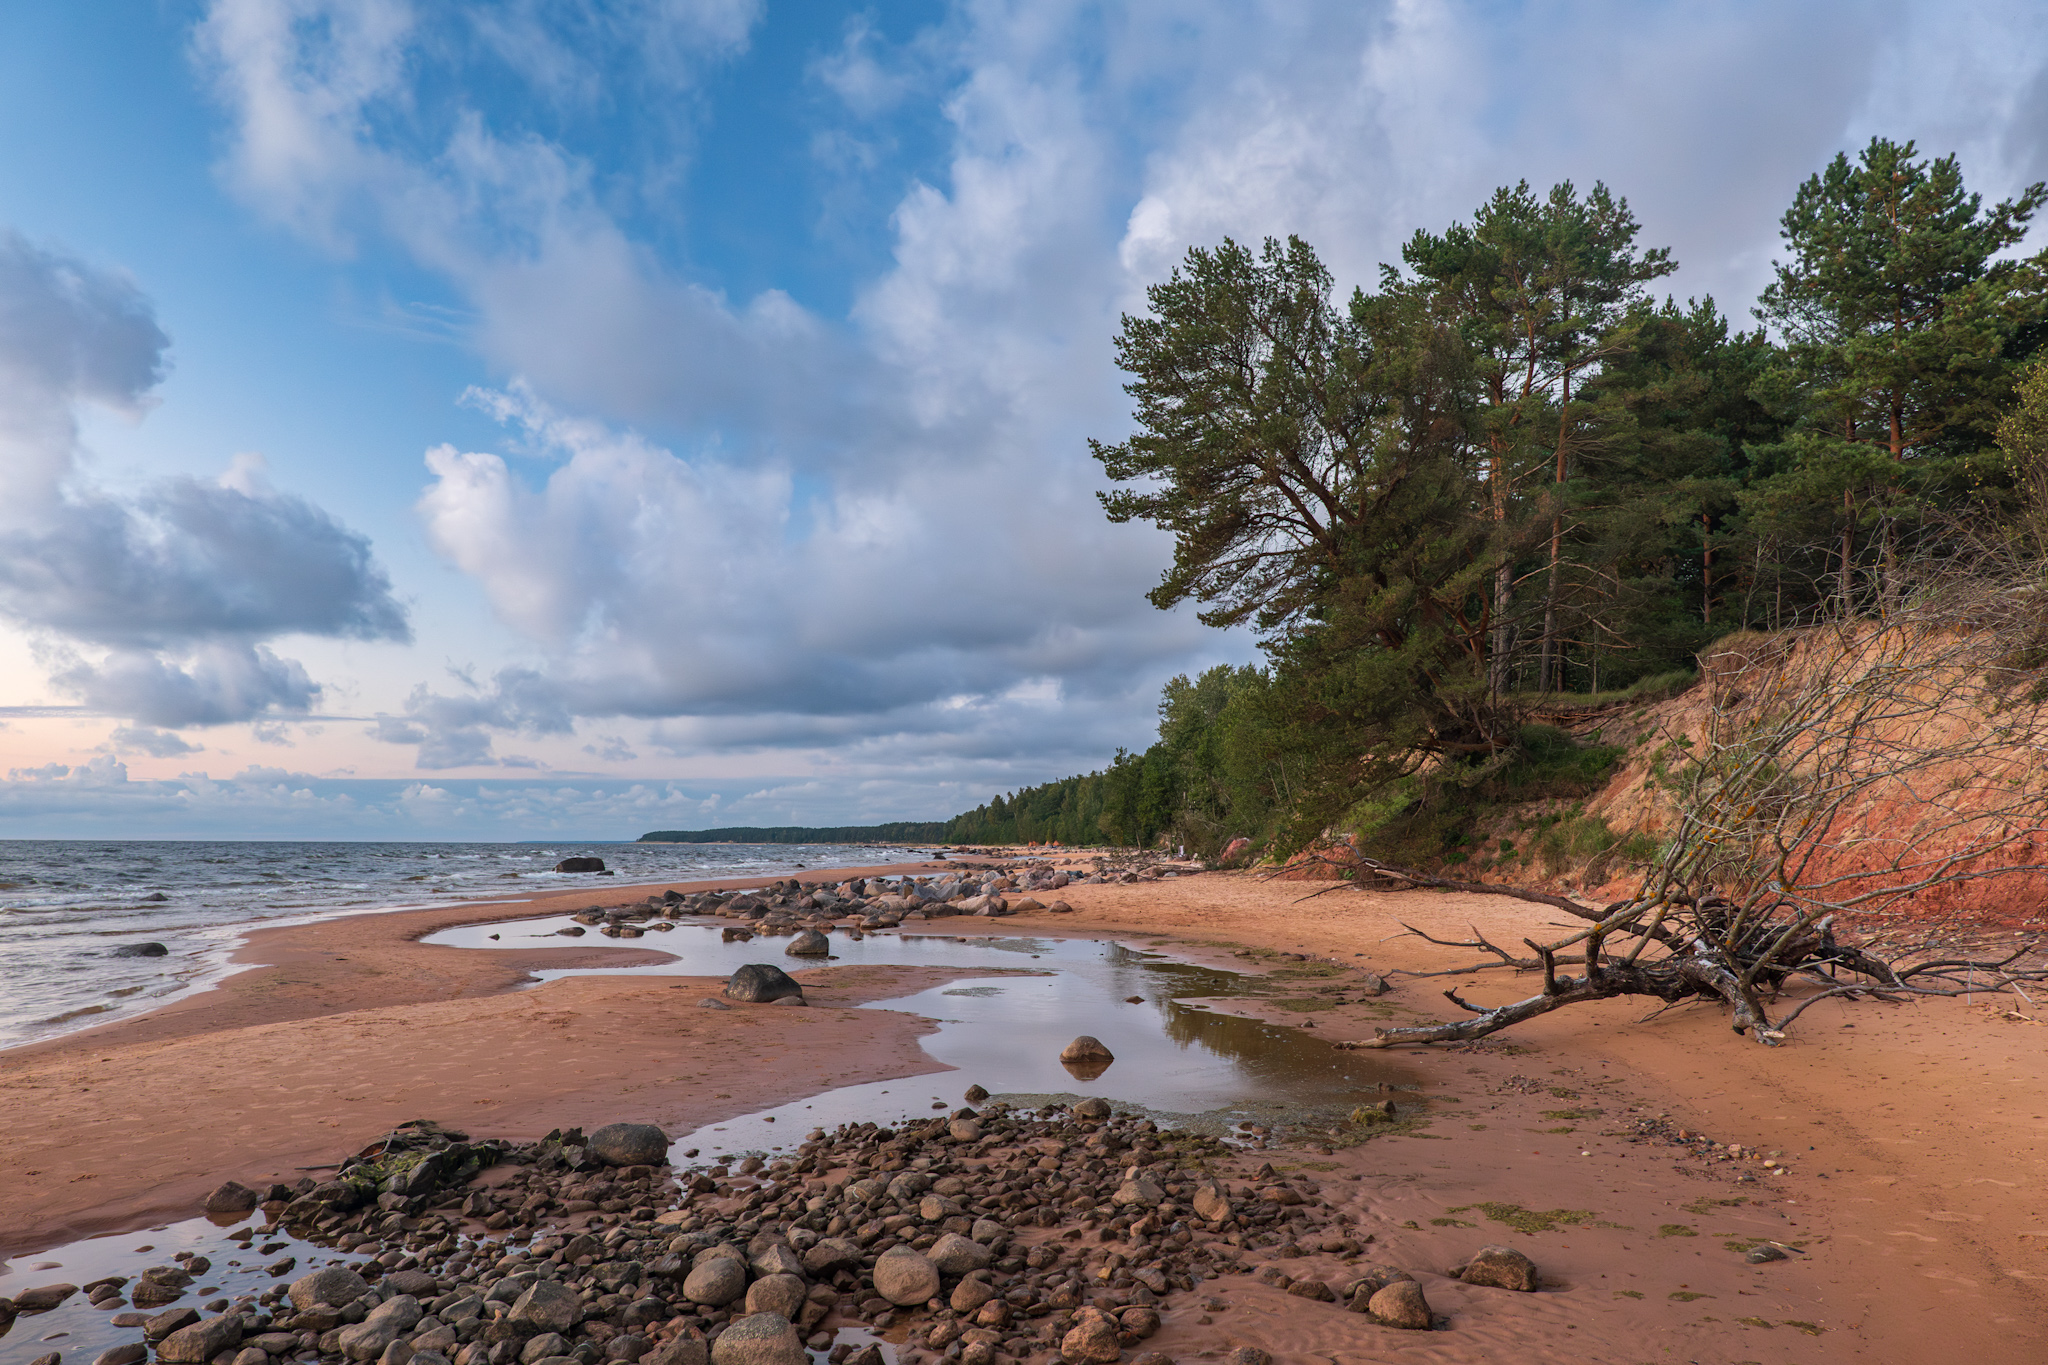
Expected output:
{"points": [[142, 950], [629, 1144], [759, 983], [580, 865]]}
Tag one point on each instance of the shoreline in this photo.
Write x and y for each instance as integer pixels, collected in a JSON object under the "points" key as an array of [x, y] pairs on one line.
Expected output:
{"points": [[110, 1108], [1912, 1166]]}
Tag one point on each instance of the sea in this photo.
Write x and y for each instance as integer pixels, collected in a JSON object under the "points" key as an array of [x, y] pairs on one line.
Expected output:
{"points": [[67, 906]]}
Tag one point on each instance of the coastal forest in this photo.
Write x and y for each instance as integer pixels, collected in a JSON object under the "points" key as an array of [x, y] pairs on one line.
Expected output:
{"points": [[1511, 483], [1510, 480]]}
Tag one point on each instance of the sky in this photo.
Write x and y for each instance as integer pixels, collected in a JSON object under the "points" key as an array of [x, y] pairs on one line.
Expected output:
{"points": [[553, 419]]}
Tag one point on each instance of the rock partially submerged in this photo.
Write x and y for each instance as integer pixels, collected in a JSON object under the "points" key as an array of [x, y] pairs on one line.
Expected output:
{"points": [[580, 865], [810, 943], [1086, 1049]]}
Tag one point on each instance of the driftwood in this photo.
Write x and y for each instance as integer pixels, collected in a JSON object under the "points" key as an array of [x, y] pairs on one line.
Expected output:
{"points": [[1930, 709]]}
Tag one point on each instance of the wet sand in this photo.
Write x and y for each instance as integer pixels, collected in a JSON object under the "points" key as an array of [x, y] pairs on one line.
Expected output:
{"points": [[340, 1028], [1916, 1151]]}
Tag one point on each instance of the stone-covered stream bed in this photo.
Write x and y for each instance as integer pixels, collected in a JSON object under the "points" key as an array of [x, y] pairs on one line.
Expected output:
{"points": [[1047, 1217]]}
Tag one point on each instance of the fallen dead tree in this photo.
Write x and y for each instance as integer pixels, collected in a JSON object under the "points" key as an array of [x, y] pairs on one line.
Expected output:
{"points": [[1844, 773]]}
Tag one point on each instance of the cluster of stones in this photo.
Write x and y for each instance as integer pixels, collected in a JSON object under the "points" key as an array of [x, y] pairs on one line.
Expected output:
{"points": [[986, 1237], [864, 904]]}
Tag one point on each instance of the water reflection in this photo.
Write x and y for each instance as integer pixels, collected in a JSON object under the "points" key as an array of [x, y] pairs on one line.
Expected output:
{"points": [[1006, 1033]]}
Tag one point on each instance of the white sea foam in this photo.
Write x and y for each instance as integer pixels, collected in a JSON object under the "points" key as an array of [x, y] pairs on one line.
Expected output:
{"points": [[67, 905]]}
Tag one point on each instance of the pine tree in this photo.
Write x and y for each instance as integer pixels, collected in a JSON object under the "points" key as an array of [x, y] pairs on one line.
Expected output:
{"points": [[1535, 288], [1897, 316]]}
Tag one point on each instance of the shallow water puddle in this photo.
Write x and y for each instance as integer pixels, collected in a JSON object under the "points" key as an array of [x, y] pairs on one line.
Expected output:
{"points": [[80, 1331], [1005, 1033]]}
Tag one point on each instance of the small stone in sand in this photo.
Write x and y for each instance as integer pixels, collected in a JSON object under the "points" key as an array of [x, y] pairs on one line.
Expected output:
{"points": [[1401, 1305], [707, 1003], [1501, 1268]]}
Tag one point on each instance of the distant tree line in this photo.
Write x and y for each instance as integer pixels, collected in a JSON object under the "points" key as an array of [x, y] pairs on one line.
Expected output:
{"points": [[902, 832]]}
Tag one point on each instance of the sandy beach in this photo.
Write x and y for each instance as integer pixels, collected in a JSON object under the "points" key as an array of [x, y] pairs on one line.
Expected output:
{"points": [[1914, 1156]]}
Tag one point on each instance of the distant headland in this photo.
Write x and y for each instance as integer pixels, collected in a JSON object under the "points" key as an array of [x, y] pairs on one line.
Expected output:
{"points": [[903, 832]]}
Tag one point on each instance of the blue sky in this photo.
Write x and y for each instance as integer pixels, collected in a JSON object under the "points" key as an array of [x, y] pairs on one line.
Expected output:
{"points": [[554, 418]]}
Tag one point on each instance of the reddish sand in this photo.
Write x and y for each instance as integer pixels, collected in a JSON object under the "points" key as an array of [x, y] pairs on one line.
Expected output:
{"points": [[1916, 1155]]}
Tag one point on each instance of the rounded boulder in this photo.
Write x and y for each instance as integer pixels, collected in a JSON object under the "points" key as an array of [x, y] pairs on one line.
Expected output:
{"points": [[629, 1144], [336, 1286], [905, 1277], [1401, 1305], [830, 1255], [1501, 1268], [810, 943], [1094, 1337], [760, 983], [716, 1282], [957, 1255], [760, 1339], [1086, 1049], [780, 1294]]}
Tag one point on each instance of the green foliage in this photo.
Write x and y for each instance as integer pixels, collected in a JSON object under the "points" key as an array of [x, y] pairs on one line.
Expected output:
{"points": [[1507, 483], [1903, 330], [2023, 436]]}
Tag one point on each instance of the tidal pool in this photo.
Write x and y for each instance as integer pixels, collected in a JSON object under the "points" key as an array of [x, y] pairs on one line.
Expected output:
{"points": [[1001, 1024], [1176, 1059]]}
